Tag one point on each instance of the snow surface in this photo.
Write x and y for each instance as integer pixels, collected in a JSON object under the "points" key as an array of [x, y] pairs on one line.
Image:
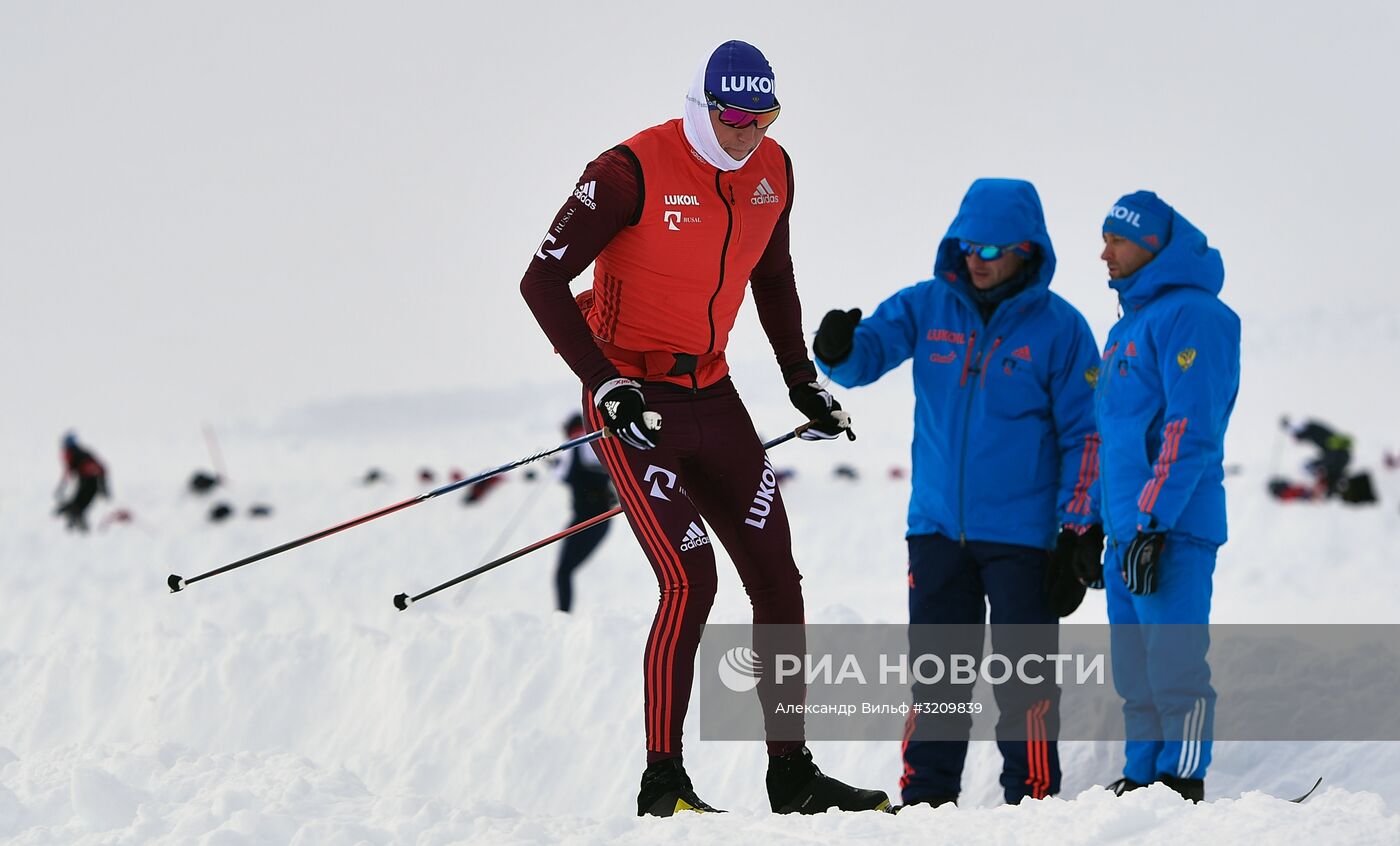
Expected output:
{"points": [[304, 224]]}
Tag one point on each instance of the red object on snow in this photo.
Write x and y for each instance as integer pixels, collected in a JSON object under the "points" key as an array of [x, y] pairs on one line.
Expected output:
{"points": [[121, 515]]}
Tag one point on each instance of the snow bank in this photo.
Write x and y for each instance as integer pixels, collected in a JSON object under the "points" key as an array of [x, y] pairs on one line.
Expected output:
{"points": [[290, 702]]}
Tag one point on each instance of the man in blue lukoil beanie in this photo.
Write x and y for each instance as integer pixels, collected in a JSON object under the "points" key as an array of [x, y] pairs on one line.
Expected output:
{"points": [[1162, 401], [1142, 218]]}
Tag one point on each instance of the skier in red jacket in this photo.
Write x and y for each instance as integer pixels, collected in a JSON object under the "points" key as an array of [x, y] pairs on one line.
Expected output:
{"points": [[679, 221], [91, 477]]}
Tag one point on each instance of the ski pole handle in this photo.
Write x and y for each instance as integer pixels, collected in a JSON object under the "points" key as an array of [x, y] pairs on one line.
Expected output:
{"points": [[403, 600]]}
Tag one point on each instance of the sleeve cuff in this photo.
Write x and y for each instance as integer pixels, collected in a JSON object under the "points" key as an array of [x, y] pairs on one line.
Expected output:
{"points": [[799, 373]]}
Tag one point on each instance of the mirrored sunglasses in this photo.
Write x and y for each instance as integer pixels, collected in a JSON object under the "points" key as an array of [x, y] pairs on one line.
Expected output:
{"points": [[741, 119], [992, 252]]}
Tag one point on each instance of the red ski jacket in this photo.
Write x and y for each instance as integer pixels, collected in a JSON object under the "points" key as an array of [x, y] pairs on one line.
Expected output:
{"points": [[676, 243]]}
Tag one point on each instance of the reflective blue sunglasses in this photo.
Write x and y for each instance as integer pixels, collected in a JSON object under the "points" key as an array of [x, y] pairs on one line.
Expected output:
{"points": [[992, 252]]}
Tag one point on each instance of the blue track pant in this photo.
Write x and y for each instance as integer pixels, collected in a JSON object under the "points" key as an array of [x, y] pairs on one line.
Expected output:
{"points": [[1159, 661]]}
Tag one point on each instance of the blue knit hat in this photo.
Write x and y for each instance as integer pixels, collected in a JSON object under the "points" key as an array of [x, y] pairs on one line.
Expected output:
{"points": [[1143, 218], [737, 75]]}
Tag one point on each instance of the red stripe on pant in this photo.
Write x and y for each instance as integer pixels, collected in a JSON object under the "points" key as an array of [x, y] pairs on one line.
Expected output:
{"points": [[659, 660], [909, 723], [1038, 750]]}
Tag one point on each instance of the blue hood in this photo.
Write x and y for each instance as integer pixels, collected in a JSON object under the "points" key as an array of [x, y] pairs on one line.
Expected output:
{"points": [[1187, 261], [997, 211]]}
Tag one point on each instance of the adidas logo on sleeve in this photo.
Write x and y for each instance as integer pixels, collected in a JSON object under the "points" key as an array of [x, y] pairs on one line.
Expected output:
{"points": [[694, 537], [585, 194], [764, 194]]}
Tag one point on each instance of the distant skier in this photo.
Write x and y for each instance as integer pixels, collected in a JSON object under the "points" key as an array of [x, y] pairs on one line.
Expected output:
{"points": [[592, 494], [91, 481], [1168, 382], [681, 218], [1003, 459]]}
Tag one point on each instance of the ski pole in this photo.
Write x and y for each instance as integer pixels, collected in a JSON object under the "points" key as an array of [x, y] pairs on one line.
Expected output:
{"points": [[178, 583], [403, 600]]}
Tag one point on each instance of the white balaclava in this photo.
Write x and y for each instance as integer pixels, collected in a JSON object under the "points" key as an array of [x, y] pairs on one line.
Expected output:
{"points": [[698, 129]]}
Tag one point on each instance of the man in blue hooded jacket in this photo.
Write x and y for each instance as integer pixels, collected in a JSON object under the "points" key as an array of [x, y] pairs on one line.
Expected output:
{"points": [[1003, 459], [1170, 373]]}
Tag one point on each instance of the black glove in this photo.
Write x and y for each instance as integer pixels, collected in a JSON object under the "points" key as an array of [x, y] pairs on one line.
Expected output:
{"points": [[625, 413], [834, 336], [828, 420], [1075, 564], [1140, 562], [1088, 557]]}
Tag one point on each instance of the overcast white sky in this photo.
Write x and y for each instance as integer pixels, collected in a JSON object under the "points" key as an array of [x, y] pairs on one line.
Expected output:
{"points": [[222, 211]]}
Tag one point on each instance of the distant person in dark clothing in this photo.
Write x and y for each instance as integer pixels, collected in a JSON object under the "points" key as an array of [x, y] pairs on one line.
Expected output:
{"points": [[91, 478], [1329, 468], [592, 495]]}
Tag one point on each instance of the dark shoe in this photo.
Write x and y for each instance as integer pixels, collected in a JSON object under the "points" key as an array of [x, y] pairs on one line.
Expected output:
{"points": [[1191, 789], [932, 802], [666, 790], [795, 785], [1124, 785]]}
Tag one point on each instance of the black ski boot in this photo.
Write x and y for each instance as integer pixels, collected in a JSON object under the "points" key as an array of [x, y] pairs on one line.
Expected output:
{"points": [[795, 785], [666, 790], [1191, 789], [1124, 785]]}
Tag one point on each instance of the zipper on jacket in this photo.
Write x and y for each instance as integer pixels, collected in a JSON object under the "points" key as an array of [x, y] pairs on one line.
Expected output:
{"points": [[1103, 474], [969, 356], [1105, 376], [723, 254], [962, 475], [981, 373], [986, 362]]}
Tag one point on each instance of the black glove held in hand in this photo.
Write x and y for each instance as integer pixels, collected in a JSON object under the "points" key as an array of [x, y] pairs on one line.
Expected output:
{"points": [[1088, 556], [1140, 562], [834, 336], [828, 420], [625, 413], [1075, 564]]}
